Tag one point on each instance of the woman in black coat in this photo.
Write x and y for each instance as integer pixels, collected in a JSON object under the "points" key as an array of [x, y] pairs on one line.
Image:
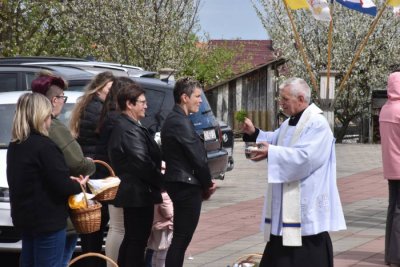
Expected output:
{"points": [[136, 159], [187, 176], [108, 118], [39, 183]]}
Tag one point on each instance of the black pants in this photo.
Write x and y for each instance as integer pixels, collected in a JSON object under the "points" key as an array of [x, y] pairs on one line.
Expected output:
{"points": [[187, 200], [392, 235], [137, 222], [93, 242], [316, 251]]}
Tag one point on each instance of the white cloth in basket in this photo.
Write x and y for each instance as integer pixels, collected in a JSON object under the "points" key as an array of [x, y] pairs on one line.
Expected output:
{"points": [[99, 185]]}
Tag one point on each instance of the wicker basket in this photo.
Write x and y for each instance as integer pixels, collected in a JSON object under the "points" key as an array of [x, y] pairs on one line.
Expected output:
{"points": [[86, 220], [248, 260], [92, 254], [109, 193]]}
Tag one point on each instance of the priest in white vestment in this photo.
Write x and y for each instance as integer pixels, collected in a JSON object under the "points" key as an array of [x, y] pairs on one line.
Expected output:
{"points": [[302, 201]]}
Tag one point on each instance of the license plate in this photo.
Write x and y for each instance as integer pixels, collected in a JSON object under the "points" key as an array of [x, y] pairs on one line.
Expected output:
{"points": [[209, 135]]}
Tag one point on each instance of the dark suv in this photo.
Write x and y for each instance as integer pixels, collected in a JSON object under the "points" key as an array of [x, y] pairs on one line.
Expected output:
{"points": [[17, 77]]}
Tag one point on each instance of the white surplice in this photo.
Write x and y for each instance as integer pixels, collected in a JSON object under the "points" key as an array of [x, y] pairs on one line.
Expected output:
{"points": [[312, 161]]}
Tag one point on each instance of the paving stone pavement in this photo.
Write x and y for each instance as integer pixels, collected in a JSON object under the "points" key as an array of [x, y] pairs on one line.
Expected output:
{"points": [[229, 223]]}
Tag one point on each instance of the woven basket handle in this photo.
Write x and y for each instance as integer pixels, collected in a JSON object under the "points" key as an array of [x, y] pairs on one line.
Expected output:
{"points": [[105, 164], [92, 254], [247, 257], [84, 195]]}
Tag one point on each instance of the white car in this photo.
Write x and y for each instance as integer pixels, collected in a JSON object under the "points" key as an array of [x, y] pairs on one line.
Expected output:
{"points": [[9, 237]]}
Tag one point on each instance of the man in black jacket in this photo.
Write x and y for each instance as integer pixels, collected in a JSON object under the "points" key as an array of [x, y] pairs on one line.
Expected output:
{"points": [[187, 176]]}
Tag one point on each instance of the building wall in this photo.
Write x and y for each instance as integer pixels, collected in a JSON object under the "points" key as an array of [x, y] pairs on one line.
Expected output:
{"points": [[254, 92]]}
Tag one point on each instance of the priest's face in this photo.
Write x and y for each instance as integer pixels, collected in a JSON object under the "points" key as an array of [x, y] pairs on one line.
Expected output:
{"points": [[290, 103]]}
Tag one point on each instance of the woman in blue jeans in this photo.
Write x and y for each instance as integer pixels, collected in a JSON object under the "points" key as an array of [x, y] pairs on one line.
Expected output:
{"points": [[39, 184]]}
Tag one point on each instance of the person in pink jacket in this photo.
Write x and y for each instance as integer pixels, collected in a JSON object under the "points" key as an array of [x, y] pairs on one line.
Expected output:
{"points": [[389, 127], [161, 232]]}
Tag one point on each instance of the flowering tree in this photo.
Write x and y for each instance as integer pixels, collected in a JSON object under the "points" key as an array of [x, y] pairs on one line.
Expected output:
{"points": [[148, 33], [350, 28], [31, 28], [152, 34]]}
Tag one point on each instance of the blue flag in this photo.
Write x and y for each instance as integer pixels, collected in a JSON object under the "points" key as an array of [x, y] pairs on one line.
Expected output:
{"points": [[364, 6]]}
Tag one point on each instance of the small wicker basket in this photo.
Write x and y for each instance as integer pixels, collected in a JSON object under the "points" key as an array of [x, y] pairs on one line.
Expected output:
{"points": [[248, 260], [109, 193], [86, 220], [92, 254]]}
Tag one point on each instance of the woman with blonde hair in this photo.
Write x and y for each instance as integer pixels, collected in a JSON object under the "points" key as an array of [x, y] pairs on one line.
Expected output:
{"points": [[83, 124], [39, 184], [38, 119]]}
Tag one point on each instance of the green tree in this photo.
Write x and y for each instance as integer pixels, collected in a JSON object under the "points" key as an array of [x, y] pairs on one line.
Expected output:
{"points": [[350, 27], [211, 64], [148, 33]]}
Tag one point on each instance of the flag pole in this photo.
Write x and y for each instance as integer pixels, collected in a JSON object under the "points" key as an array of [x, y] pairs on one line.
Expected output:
{"points": [[328, 71], [360, 49], [300, 45]]}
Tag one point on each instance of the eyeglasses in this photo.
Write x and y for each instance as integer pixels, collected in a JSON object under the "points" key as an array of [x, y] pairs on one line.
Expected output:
{"points": [[143, 102], [63, 97]]}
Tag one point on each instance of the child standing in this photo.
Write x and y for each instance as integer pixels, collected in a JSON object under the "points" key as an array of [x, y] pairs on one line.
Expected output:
{"points": [[161, 233]]}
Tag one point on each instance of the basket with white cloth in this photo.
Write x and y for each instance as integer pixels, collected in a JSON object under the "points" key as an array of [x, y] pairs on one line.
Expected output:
{"points": [[104, 189]]}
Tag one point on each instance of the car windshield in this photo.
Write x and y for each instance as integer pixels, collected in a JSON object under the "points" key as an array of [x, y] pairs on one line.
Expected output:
{"points": [[7, 115]]}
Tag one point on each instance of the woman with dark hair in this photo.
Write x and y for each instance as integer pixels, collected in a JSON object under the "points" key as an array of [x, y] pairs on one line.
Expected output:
{"points": [[136, 159], [188, 180], [108, 115], [40, 184], [107, 121], [83, 124]]}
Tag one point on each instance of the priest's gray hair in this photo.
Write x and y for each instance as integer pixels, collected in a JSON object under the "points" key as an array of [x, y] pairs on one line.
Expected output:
{"points": [[297, 87]]}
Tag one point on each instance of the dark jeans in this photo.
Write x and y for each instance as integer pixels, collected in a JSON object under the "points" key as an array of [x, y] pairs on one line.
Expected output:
{"points": [[148, 257], [70, 244], [137, 222], [392, 235], [43, 250], [93, 242], [187, 200]]}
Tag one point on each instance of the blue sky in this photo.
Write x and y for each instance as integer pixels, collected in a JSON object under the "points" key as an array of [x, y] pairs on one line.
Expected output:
{"points": [[230, 19]]}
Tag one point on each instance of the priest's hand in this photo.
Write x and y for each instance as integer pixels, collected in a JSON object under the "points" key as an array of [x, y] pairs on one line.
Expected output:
{"points": [[261, 153], [248, 127]]}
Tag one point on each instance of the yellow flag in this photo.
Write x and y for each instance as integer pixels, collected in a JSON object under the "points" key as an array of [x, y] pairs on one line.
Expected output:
{"points": [[394, 3], [298, 4]]}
